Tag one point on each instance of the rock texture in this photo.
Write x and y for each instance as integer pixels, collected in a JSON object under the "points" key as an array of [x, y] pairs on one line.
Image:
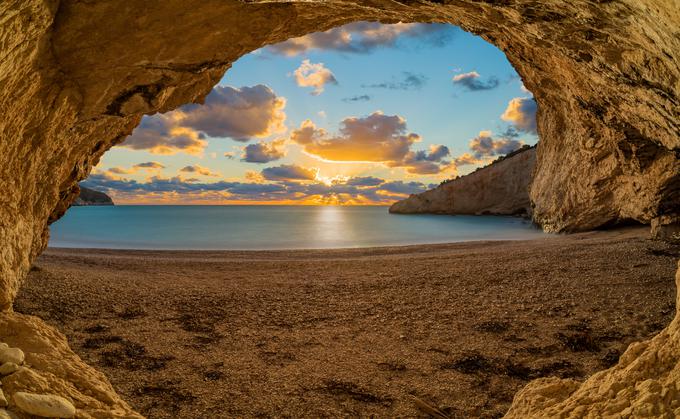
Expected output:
{"points": [[44, 405], [91, 197], [501, 188], [54, 381], [644, 383]]}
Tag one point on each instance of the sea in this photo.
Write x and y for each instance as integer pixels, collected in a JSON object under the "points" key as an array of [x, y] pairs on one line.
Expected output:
{"points": [[268, 227]]}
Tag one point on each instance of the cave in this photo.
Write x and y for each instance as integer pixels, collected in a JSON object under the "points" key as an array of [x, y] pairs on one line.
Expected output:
{"points": [[77, 77]]}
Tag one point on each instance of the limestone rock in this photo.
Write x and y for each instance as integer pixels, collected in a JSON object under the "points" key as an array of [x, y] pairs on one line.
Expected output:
{"points": [[8, 368], [55, 369], [13, 355], [5, 414], [44, 405], [501, 188]]}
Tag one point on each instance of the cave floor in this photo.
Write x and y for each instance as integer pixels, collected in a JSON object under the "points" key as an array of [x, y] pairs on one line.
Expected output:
{"points": [[360, 332]]}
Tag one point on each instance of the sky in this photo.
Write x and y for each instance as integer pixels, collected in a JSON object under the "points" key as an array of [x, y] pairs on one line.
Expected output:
{"points": [[362, 114]]}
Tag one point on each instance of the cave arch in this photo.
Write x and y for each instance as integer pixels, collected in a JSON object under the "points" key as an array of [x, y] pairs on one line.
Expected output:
{"points": [[76, 78]]}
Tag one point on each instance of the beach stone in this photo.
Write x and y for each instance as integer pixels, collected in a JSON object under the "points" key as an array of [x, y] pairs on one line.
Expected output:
{"points": [[8, 368], [14, 355], [44, 405], [3, 400], [6, 414], [3, 346]]}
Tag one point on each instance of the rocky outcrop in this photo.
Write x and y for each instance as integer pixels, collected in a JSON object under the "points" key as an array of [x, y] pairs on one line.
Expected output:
{"points": [[91, 197], [501, 188], [50, 380]]}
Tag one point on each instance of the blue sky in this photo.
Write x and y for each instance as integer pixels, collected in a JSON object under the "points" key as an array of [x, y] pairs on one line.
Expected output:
{"points": [[362, 114]]}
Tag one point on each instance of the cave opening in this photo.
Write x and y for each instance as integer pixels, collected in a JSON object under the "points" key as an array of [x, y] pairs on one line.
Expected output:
{"points": [[365, 114]]}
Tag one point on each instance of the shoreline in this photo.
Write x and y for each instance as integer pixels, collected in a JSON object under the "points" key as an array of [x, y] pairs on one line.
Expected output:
{"points": [[353, 332]]}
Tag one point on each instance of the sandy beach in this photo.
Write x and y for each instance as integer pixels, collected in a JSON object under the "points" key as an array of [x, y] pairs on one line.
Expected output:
{"points": [[353, 332]]}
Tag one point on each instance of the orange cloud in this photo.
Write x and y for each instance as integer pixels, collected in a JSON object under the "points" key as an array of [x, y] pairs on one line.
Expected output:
{"points": [[375, 138]]}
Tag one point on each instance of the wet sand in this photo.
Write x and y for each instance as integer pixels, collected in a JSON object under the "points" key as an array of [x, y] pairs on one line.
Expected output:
{"points": [[354, 332]]}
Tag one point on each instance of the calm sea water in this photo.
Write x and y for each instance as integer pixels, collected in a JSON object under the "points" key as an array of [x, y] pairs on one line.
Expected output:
{"points": [[270, 227]]}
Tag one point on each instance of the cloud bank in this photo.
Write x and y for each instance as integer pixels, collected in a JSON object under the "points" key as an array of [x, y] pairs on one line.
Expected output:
{"points": [[236, 113]]}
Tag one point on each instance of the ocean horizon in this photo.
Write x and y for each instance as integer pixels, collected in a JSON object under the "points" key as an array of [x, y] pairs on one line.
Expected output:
{"points": [[271, 227]]}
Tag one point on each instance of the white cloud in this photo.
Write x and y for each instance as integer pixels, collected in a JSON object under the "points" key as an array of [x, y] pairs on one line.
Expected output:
{"points": [[314, 75]]}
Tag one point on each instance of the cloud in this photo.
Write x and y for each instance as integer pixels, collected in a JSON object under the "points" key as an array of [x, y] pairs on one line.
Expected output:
{"points": [[405, 188], [410, 81], [376, 138], [471, 81], [364, 181], [521, 112], [262, 152], [425, 162], [198, 169], [230, 155], [361, 98], [314, 75], [162, 134], [289, 172], [363, 37], [150, 165], [176, 189], [484, 145], [121, 171], [230, 112], [238, 113], [467, 159]]}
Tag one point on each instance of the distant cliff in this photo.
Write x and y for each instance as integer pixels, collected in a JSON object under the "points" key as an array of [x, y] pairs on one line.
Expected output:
{"points": [[91, 197], [501, 188]]}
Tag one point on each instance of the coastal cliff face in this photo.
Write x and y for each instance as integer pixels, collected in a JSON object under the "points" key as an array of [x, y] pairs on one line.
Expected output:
{"points": [[76, 78], [88, 197], [501, 188]]}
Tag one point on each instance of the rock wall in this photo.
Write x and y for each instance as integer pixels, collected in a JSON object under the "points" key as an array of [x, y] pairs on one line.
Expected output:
{"points": [[501, 188]]}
